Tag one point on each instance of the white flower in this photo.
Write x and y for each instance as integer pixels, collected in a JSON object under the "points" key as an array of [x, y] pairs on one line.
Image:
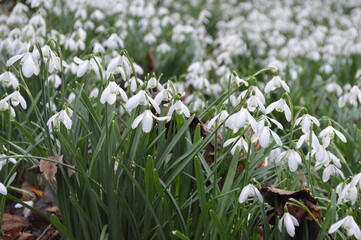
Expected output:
{"points": [[5, 106], [306, 138], [26, 211], [55, 79], [249, 191], [153, 83], [329, 133], [180, 108], [240, 119], [86, 65], [94, 93], [220, 116], [4, 160], [276, 82], [293, 159], [147, 120], [334, 87], [349, 224], [9, 79], [331, 170], [290, 222], [163, 95], [238, 80], [263, 132], [280, 106], [16, 98], [30, 65], [253, 102], [346, 193], [110, 93], [306, 122], [60, 117], [133, 83], [141, 98], [325, 157], [356, 179], [241, 143], [3, 189]]}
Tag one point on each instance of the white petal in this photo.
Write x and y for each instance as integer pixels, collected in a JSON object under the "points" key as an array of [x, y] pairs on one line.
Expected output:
{"points": [[154, 104], [336, 226], [244, 193], [137, 120], [28, 66], [105, 95], [287, 113], [340, 135], [14, 59], [264, 138], [3, 189], [82, 68], [133, 102], [147, 121], [276, 138]]}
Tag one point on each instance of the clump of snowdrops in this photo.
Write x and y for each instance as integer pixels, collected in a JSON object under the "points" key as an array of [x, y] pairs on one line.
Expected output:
{"points": [[152, 156]]}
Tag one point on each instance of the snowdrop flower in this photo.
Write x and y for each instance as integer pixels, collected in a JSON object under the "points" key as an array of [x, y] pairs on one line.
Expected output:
{"points": [[240, 142], [16, 98], [180, 108], [133, 83], [220, 116], [349, 224], [346, 192], [85, 65], [241, 119], [331, 170], [306, 138], [334, 87], [54, 60], [110, 93], [4, 160], [263, 133], [253, 102], [141, 98], [325, 157], [94, 93], [293, 158], [306, 122], [30, 65], [153, 83], [5, 106], [147, 120], [163, 95], [356, 180], [238, 80], [55, 79], [9, 79], [163, 48], [329, 133], [3, 189], [290, 222], [26, 211], [280, 106], [249, 191], [276, 82], [57, 118]]}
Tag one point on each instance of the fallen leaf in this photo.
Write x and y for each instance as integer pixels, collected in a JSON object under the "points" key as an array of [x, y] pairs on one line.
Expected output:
{"points": [[27, 187], [13, 222], [49, 168], [25, 236]]}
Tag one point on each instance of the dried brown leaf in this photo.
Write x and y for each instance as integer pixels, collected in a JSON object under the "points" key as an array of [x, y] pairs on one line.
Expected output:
{"points": [[49, 168], [13, 222]]}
